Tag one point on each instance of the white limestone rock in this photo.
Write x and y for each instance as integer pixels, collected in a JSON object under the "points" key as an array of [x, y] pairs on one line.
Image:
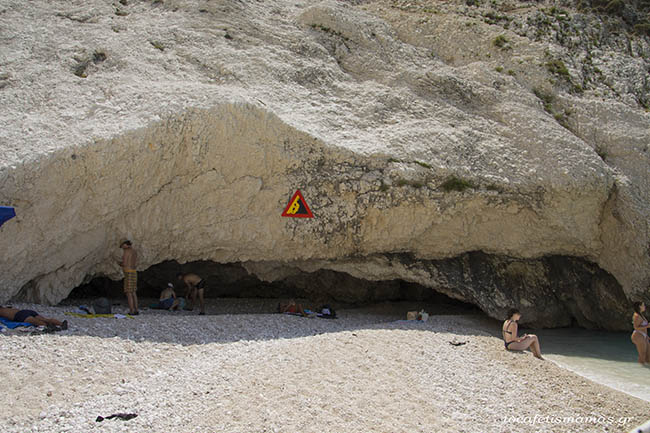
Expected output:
{"points": [[186, 126]]}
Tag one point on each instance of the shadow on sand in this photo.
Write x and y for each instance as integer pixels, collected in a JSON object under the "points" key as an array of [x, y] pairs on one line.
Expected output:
{"points": [[230, 321]]}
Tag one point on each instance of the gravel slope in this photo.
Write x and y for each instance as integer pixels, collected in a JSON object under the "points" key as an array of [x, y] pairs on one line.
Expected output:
{"points": [[268, 372]]}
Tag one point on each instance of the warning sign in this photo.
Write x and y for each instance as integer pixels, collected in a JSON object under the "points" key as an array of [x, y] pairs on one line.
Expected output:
{"points": [[297, 207]]}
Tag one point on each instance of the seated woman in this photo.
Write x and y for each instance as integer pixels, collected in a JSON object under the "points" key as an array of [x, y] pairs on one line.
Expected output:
{"points": [[168, 300], [640, 334], [292, 308], [526, 341], [30, 316]]}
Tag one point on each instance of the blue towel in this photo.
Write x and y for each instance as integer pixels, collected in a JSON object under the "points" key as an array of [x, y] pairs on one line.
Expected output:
{"points": [[6, 213], [11, 324]]}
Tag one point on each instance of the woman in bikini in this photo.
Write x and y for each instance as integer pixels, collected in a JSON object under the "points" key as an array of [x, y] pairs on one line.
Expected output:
{"points": [[526, 341], [640, 334], [291, 308]]}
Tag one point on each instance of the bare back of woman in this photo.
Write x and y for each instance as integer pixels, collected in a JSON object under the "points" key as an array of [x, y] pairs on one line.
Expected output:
{"points": [[512, 342], [640, 334]]}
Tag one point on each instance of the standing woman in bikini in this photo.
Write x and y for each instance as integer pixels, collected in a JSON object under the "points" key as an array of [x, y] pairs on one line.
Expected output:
{"points": [[640, 334], [512, 342]]}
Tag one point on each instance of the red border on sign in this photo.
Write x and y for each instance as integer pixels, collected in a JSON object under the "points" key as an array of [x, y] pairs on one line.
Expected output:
{"points": [[304, 202]]}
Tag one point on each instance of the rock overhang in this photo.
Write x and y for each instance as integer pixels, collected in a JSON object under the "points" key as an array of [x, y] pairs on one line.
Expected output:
{"points": [[211, 184], [382, 141]]}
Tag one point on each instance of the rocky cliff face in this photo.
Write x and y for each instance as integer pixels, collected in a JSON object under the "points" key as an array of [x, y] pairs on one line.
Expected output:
{"points": [[502, 149]]}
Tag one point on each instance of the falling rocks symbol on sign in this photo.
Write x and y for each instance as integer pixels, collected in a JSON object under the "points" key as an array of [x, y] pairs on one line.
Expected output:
{"points": [[297, 207]]}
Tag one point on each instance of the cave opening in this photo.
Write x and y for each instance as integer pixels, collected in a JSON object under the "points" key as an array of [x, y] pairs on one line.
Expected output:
{"points": [[232, 280], [551, 291]]}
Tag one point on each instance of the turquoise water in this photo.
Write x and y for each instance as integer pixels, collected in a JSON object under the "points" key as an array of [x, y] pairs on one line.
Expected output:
{"points": [[608, 358]]}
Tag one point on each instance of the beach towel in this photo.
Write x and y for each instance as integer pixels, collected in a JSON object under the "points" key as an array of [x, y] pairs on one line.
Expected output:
{"points": [[6, 213], [94, 316], [292, 314], [13, 325]]}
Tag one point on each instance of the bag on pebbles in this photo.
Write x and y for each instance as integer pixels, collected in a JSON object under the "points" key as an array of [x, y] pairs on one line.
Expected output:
{"points": [[102, 306]]}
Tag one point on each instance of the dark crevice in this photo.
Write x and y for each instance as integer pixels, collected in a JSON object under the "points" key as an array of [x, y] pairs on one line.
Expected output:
{"points": [[231, 280], [552, 291]]}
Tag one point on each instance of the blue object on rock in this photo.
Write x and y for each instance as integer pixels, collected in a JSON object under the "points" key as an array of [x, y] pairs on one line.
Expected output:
{"points": [[12, 325], [6, 213]]}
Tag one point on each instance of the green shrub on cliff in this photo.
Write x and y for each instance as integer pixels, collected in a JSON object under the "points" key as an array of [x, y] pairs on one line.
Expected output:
{"points": [[546, 98], [455, 183], [558, 67], [500, 41], [612, 7], [642, 29], [412, 183]]}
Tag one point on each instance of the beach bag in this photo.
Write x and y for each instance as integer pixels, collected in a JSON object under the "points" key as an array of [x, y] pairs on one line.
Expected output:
{"points": [[411, 315], [102, 306], [327, 312]]}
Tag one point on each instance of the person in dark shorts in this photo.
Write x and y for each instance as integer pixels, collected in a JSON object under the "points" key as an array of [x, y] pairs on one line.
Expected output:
{"points": [[194, 285], [31, 316], [168, 300]]}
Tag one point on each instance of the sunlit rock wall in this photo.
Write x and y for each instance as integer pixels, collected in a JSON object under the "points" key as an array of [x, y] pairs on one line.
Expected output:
{"points": [[187, 126]]}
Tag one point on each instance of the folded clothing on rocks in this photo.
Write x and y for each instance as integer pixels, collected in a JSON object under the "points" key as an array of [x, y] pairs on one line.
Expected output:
{"points": [[122, 416]]}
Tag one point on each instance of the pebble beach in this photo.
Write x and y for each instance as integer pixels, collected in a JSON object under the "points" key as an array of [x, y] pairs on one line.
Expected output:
{"points": [[242, 368]]}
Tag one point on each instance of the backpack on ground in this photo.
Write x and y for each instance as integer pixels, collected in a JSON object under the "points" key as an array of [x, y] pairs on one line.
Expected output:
{"points": [[326, 312], [102, 306]]}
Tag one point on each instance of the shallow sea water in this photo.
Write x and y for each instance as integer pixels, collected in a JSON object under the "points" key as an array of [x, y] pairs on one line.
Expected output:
{"points": [[608, 358]]}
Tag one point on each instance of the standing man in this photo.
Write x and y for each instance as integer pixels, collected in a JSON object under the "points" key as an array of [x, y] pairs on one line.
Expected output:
{"points": [[128, 263], [193, 285]]}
